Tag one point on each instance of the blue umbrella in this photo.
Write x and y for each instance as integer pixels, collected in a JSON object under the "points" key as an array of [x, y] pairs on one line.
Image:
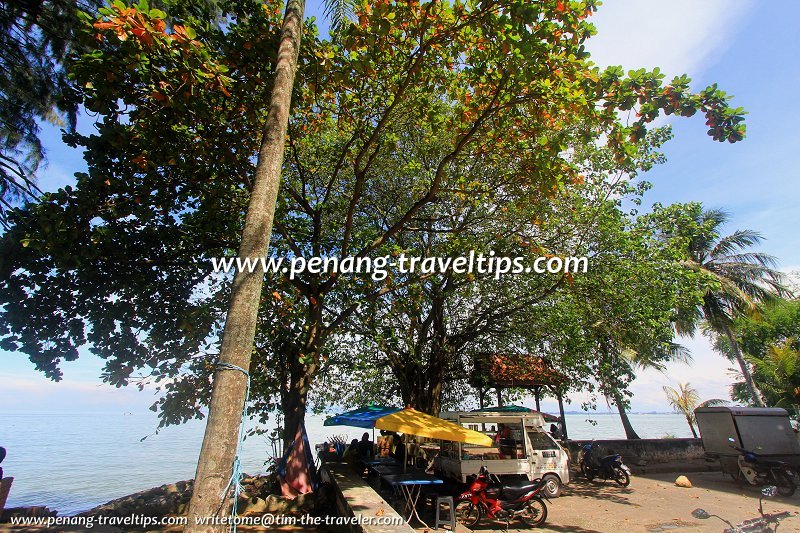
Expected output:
{"points": [[363, 417]]}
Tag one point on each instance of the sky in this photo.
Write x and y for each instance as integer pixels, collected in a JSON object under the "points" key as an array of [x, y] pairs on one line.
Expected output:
{"points": [[749, 50]]}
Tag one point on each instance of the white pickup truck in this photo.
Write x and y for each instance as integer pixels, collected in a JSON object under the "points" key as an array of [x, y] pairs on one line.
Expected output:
{"points": [[522, 448]]}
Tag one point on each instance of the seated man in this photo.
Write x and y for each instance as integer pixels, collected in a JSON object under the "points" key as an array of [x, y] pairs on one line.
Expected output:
{"points": [[505, 444], [365, 447], [503, 432], [399, 452]]}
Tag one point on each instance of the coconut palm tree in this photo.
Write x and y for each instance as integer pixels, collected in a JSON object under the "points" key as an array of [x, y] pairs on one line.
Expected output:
{"points": [[735, 281], [230, 383], [684, 400], [642, 359], [779, 373]]}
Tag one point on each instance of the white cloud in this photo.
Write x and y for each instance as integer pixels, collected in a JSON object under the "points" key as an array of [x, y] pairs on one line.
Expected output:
{"points": [[679, 36]]}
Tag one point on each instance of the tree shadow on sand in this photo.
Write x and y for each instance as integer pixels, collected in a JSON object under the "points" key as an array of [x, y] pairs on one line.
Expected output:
{"points": [[600, 490]]}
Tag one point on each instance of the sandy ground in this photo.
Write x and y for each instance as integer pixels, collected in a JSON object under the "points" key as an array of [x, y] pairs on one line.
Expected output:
{"points": [[653, 503]]}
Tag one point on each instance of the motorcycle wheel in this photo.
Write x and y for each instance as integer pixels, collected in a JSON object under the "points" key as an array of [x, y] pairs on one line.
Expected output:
{"points": [[535, 513], [783, 481], [587, 472], [467, 513], [621, 477]]}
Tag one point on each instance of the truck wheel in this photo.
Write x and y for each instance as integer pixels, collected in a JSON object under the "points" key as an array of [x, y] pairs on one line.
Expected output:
{"points": [[552, 485]]}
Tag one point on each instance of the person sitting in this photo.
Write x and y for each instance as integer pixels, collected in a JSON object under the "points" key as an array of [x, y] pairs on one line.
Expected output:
{"points": [[506, 446], [327, 453], [399, 452], [365, 447], [503, 432], [385, 444], [351, 455]]}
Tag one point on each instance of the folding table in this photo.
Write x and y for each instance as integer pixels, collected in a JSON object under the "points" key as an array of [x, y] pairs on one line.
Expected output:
{"points": [[410, 486]]}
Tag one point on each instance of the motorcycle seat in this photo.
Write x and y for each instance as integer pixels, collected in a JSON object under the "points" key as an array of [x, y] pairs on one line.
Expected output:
{"points": [[771, 463], [512, 493]]}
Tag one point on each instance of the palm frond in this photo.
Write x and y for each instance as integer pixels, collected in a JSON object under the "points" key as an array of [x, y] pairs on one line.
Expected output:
{"points": [[713, 402], [340, 12]]}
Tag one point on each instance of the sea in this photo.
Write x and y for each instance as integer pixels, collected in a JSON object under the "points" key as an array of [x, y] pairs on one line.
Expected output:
{"points": [[72, 462]]}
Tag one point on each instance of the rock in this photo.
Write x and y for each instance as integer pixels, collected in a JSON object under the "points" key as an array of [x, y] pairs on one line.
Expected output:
{"points": [[253, 506], [684, 482], [36, 511], [280, 505]]}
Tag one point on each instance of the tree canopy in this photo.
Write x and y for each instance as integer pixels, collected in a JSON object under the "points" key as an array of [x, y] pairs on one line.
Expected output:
{"points": [[418, 119]]}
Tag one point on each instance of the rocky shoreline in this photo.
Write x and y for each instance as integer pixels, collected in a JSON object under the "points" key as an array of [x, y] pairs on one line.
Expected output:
{"points": [[257, 497]]}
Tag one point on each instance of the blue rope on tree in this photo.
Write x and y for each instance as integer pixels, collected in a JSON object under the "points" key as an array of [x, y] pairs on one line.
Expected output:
{"points": [[236, 472]]}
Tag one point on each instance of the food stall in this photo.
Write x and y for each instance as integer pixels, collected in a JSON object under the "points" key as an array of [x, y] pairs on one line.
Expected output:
{"points": [[520, 448]]}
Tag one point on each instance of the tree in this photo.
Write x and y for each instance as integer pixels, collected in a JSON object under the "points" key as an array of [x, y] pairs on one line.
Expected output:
{"points": [[735, 281], [769, 343], [684, 400], [37, 39], [117, 261], [427, 335], [229, 389], [778, 374]]}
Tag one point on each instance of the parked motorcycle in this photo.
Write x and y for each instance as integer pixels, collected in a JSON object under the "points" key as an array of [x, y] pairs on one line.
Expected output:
{"points": [[498, 501], [758, 470], [606, 467], [761, 524]]}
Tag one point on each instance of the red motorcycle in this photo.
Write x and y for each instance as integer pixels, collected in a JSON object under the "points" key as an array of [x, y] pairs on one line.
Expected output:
{"points": [[504, 502]]}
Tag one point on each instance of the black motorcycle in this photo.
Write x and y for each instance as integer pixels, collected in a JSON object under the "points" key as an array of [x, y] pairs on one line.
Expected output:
{"points": [[758, 470], [606, 467]]}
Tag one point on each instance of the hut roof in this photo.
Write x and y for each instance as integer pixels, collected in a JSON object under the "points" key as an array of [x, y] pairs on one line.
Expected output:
{"points": [[515, 370]]}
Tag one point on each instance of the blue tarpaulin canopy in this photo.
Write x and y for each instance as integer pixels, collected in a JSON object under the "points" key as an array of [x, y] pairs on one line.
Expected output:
{"points": [[363, 417]]}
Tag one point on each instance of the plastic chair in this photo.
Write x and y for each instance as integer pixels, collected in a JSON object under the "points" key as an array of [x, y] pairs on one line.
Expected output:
{"points": [[451, 512]]}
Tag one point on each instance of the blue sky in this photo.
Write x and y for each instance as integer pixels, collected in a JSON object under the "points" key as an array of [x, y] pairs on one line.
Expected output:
{"points": [[749, 50]]}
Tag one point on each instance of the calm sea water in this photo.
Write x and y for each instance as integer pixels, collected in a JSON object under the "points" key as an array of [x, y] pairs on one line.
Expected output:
{"points": [[73, 462]]}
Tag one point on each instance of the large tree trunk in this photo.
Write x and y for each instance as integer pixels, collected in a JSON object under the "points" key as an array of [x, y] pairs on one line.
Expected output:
{"points": [[748, 377], [228, 395], [302, 373], [630, 433]]}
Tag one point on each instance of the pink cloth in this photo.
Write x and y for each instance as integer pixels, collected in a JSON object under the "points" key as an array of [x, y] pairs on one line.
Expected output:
{"points": [[298, 479]]}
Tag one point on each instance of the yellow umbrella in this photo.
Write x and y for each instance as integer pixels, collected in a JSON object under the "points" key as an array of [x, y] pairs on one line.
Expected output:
{"points": [[411, 421]]}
